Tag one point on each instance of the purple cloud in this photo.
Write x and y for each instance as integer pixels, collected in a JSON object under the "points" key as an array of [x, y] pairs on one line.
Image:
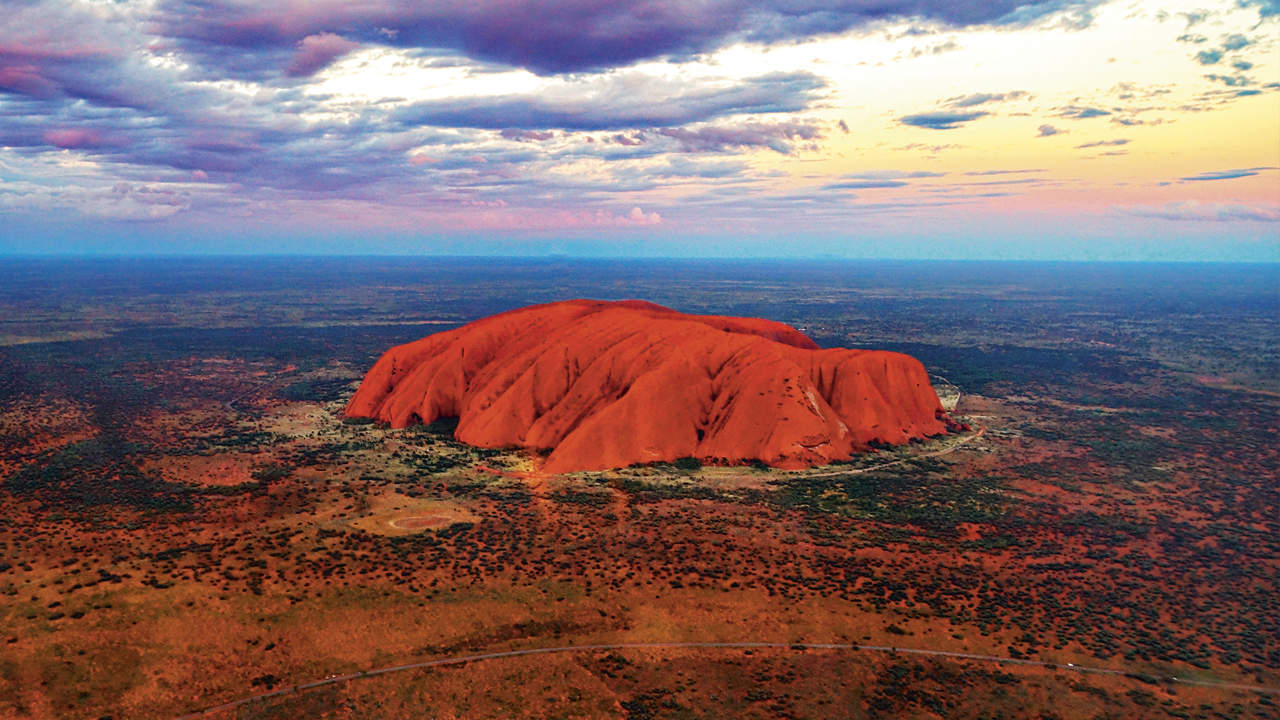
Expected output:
{"points": [[556, 36], [315, 52], [527, 135], [71, 138]]}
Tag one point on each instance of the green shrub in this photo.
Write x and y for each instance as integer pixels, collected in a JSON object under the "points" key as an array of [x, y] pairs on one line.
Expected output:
{"points": [[688, 464]]}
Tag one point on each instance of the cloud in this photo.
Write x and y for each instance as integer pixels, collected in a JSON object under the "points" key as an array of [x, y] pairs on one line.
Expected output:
{"points": [[1209, 57], [1019, 181], [527, 135], [941, 120], [70, 138], [606, 218], [1004, 172], [1195, 17], [122, 201], [1266, 8], [1231, 80], [1225, 174], [617, 101], [964, 101], [864, 184], [139, 116], [1104, 143], [878, 179], [1236, 42], [935, 49], [315, 52], [683, 167], [778, 136], [1195, 211], [1048, 131], [557, 36], [135, 202], [1081, 113], [1230, 43], [893, 174]]}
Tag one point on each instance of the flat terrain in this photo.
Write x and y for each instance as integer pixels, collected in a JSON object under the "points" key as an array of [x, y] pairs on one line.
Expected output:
{"points": [[189, 522]]}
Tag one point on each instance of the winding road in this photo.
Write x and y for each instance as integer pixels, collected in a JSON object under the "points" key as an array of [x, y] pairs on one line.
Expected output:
{"points": [[799, 647]]}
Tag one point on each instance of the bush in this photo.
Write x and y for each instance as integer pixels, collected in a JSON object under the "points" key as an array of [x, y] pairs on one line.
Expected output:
{"points": [[270, 473], [688, 464]]}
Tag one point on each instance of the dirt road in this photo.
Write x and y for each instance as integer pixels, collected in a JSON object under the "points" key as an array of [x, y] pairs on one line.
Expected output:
{"points": [[798, 647]]}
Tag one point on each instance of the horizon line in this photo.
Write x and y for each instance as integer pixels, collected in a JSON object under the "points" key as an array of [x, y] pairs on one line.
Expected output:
{"points": [[569, 256]]}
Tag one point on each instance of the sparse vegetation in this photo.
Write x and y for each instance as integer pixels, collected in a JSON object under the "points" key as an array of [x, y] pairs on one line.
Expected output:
{"points": [[200, 483]]}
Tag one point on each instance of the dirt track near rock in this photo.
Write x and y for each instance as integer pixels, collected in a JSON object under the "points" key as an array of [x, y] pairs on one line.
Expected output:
{"points": [[947, 450]]}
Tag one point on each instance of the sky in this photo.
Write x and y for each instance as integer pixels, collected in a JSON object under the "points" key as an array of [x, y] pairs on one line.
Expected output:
{"points": [[958, 129]]}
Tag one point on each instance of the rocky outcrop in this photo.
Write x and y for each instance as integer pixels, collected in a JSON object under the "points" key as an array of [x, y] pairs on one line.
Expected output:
{"points": [[610, 384]]}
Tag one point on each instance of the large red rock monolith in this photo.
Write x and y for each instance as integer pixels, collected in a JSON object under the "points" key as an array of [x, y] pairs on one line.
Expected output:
{"points": [[609, 384]]}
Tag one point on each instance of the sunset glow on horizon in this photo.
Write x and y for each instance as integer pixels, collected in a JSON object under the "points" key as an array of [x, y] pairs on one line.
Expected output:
{"points": [[1059, 129]]}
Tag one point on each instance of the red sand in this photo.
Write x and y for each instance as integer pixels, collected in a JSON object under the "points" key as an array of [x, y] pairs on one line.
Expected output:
{"points": [[419, 522], [609, 384]]}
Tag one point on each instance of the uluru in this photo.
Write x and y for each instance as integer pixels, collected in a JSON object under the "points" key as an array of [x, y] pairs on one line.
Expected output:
{"points": [[595, 385]]}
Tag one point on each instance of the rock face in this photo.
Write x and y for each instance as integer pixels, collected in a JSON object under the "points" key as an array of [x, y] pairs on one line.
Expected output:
{"points": [[609, 384]]}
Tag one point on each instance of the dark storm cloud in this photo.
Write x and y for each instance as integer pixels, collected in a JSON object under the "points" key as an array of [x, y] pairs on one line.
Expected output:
{"points": [[618, 101], [553, 36], [940, 120]]}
